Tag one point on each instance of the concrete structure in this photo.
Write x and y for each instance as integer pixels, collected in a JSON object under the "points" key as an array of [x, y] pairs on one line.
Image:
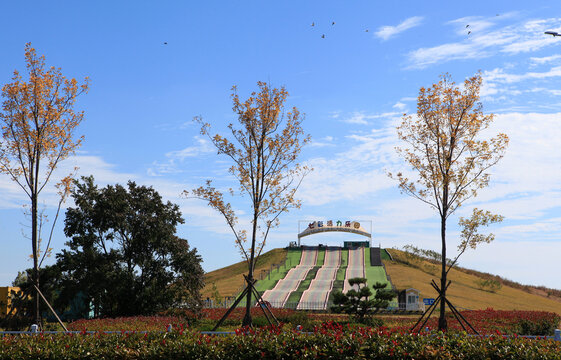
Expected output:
{"points": [[348, 226], [5, 299], [409, 300]]}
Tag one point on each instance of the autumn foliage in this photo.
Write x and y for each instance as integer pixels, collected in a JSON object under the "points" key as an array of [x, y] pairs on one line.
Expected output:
{"points": [[450, 158], [264, 149], [38, 131]]}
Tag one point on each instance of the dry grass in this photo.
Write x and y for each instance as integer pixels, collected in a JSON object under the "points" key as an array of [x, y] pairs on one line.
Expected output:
{"points": [[464, 291], [229, 280]]}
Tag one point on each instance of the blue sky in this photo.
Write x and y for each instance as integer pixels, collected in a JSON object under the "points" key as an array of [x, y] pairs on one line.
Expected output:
{"points": [[353, 85]]}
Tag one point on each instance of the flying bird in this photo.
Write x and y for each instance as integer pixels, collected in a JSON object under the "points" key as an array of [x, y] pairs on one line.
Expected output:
{"points": [[366, 30], [333, 23], [467, 26], [553, 33], [313, 24], [165, 43], [323, 36], [469, 32]]}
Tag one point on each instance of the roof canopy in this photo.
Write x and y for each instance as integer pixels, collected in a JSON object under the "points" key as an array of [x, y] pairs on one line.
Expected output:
{"points": [[329, 226]]}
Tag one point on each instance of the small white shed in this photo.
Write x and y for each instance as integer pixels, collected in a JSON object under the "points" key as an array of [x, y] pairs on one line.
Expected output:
{"points": [[409, 300]]}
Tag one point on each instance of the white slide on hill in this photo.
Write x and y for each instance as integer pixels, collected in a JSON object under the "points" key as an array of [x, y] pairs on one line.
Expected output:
{"points": [[317, 294], [279, 294], [355, 267]]}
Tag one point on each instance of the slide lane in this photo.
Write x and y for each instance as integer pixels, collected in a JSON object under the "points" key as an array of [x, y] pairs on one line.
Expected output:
{"points": [[280, 293], [317, 294], [355, 268]]}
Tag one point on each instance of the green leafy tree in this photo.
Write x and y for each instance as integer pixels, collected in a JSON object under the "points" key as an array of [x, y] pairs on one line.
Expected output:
{"points": [[359, 303], [123, 252]]}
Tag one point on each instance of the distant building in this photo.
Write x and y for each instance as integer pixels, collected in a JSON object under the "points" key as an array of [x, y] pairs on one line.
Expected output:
{"points": [[409, 300], [5, 298]]}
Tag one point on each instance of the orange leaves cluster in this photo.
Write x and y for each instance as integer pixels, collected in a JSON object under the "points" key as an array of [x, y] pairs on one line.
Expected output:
{"points": [[263, 147], [38, 122], [444, 145]]}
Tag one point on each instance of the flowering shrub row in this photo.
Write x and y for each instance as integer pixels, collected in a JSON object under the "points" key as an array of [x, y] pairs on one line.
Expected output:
{"points": [[491, 321], [328, 341], [133, 323], [485, 321]]}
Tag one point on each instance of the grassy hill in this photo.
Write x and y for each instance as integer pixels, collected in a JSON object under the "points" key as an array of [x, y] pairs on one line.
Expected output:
{"points": [[466, 291], [228, 281], [405, 271]]}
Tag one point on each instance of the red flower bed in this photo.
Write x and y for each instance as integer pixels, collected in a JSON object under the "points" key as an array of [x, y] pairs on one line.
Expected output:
{"points": [[484, 321], [133, 323], [491, 321], [238, 313]]}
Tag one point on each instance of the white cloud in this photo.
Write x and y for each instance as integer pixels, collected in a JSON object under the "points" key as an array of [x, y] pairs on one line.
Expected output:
{"points": [[400, 106], [334, 114], [424, 57], [483, 41], [499, 75], [357, 118], [471, 23], [542, 255], [351, 174], [526, 183], [13, 196], [323, 142], [386, 32], [545, 59], [540, 90], [361, 118], [500, 85], [174, 158]]}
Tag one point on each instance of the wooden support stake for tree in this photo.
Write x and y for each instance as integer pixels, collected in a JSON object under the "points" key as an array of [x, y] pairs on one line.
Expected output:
{"points": [[456, 316], [455, 311], [261, 301], [51, 308], [429, 312], [258, 298], [433, 306], [242, 295], [460, 314]]}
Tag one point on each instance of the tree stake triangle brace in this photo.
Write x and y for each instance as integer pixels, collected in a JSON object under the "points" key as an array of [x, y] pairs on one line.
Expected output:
{"points": [[461, 319], [248, 290]]}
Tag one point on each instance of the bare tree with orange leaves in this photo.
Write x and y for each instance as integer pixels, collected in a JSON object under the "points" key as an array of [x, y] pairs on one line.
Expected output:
{"points": [[264, 150], [38, 125], [448, 156]]}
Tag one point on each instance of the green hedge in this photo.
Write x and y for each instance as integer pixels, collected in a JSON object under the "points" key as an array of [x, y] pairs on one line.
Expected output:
{"points": [[331, 341]]}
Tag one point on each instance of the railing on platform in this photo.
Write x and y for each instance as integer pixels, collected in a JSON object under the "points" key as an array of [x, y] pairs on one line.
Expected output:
{"points": [[310, 305]]}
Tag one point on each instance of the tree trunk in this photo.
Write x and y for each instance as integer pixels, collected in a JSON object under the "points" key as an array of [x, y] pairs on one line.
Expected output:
{"points": [[247, 320], [442, 324], [35, 243]]}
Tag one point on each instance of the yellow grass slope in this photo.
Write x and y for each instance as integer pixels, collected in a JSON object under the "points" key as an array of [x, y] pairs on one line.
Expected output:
{"points": [[229, 280], [464, 292]]}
